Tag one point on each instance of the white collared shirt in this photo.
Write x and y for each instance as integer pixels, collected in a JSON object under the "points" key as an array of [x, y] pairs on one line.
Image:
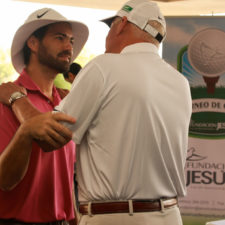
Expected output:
{"points": [[133, 112]]}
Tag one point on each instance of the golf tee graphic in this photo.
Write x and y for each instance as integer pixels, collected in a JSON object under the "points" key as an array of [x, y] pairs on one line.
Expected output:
{"points": [[195, 46], [204, 57], [206, 54]]}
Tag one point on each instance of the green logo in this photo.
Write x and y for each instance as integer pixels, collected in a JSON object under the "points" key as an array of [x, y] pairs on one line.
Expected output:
{"points": [[127, 8]]}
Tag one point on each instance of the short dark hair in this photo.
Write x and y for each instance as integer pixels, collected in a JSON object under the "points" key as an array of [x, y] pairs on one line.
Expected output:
{"points": [[74, 69], [39, 34]]}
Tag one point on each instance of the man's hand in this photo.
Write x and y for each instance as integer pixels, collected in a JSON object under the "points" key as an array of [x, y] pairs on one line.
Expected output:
{"points": [[6, 90], [44, 128], [47, 131]]}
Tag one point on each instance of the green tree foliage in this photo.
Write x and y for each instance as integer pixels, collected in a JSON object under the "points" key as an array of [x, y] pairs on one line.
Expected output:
{"points": [[7, 72], [84, 57]]}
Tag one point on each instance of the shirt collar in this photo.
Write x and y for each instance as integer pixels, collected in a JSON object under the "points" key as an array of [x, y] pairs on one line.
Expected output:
{"points": [[141, 47], [25, 81]]}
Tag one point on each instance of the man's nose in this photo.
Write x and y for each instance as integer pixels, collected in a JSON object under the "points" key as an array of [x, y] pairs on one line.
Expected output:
{"points": [[68, 45]]}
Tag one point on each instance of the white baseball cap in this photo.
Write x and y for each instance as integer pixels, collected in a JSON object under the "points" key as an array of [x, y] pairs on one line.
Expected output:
{"points": [[40, 18], [140, 12]]}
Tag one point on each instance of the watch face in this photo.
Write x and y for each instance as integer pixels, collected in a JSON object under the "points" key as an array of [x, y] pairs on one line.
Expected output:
{"points": [[15, 96]]}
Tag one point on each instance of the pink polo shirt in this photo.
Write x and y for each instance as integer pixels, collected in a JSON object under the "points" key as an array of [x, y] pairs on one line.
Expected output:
{"points": [[45, 193]]}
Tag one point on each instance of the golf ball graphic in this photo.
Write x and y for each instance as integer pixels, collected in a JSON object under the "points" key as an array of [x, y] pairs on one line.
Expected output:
{"points": [[206, 54]]}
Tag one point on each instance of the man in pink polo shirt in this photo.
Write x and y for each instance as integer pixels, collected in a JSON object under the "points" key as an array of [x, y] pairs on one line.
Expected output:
{"points": [[36, 186], [131, 146]]}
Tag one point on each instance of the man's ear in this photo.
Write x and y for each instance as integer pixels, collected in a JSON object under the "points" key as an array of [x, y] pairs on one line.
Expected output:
{"points": [[71, 77], [32, 43], [121, 25]]}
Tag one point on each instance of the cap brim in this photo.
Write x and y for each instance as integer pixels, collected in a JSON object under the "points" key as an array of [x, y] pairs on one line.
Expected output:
{"points": [[80, 33], [108, 21]]}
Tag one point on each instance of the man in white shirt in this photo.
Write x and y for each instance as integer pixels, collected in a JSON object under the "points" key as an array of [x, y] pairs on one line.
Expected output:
{"points": [[132, 123], [132, 114]]}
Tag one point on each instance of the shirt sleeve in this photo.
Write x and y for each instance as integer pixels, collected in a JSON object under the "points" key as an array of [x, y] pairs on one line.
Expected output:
{"points": [[84, 100]]}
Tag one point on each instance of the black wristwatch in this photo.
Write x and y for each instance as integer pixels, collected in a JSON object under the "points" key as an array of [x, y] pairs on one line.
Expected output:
{"points": [[16, 95]]}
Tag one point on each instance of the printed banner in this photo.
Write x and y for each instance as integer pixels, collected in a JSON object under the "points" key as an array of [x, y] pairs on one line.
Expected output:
{"points": [[196, 47]]}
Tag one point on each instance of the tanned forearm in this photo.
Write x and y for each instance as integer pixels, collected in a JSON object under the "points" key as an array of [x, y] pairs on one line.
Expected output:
{"points": [[24, 110], [14, 160]]}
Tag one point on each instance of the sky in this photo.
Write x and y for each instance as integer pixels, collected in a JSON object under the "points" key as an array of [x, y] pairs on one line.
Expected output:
{"points": [[14, 13]]}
